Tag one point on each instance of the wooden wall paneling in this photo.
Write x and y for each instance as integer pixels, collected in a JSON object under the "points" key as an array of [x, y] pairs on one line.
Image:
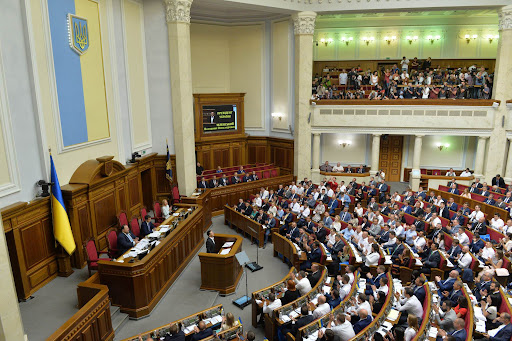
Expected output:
{"points": [[390, 156], [29, 234]]}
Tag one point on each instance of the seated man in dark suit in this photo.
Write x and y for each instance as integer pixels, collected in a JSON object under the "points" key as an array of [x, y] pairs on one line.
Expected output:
{"points": [[223, 181], [270, 224], [303, 320], [364, 321], [174, 334], [247, 210], [505, 333], [490, 200], [246, 178], [419, 290], [203, 183], [474, 189], [459, 333], [146, 227], [213, 182], [315, 275], [126, 240], [235, 179], [201, 332], [287, 219], [313, 256]]}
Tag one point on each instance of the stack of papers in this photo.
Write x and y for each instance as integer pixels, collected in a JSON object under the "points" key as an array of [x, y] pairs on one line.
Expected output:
{"points": [[225, 251], [130, 254], [293, 314], [164, 229], [388, 260], [393, 315], [502, 272], [285, 318], [326, 289], [176, 214], [216, 319], [228, 244], [432, 332], [189, 329], [154, 235]]}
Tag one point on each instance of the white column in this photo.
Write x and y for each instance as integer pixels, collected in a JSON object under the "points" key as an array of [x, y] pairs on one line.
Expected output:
{"points": [[375, 154], [416, 161], [178, 26], [508, 172], [480, 155], [502, 88], [304, 27], [316, 150], [315, 171], [415, 177]]}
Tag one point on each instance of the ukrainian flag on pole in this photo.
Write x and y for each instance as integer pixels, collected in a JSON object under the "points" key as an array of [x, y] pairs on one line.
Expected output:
{"points": [[61, 227], [168, 167]]}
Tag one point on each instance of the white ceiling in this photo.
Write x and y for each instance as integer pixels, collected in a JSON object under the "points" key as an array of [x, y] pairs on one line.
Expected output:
{"points": [[233, 12]]}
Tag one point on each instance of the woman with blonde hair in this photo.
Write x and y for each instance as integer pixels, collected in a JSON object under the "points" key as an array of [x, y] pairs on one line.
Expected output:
{"points": [[228, 322], [412, 328], [466, 193]]}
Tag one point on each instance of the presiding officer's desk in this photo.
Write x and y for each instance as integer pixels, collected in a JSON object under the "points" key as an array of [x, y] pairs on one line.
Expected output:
{"points": [[136, 285], [221, 272]]}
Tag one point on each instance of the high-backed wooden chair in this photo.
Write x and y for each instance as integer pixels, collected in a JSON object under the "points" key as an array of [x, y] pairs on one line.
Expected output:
{"points": [[158, 212], [134, 226], [111, 238], [122, 219]]}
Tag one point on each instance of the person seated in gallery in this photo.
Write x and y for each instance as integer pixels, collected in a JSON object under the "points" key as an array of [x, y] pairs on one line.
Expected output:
{"points": [[201, 331], [203, 183]]}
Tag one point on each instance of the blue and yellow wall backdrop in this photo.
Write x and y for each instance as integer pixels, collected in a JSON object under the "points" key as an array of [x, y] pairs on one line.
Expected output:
{"points": [[79, 71]]}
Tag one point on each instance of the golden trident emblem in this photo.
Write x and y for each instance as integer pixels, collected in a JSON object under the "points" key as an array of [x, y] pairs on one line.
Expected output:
{"points": [[80, 34]]}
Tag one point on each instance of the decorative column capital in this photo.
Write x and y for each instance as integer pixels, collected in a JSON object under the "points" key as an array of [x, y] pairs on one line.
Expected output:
{"points": [[177, 10], [304, 23], [419, 136], [505, 18], [316, 134], [483, 137], [377, 135]]}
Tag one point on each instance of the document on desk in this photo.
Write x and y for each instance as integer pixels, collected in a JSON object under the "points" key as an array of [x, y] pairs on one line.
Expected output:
{"points": [[285, 318], [164, 229], [216, 319], [432, 332], [189, 329], [225, 251], [326, 289], [228, 244], [393, 315]]}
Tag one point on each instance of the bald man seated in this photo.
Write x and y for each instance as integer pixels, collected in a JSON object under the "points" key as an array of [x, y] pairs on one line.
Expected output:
{"points": [[364, 321], [175, 333], [201, 331]]}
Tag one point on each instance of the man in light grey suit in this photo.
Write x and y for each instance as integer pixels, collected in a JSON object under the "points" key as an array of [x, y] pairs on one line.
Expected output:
{"points": [[445, 316]]}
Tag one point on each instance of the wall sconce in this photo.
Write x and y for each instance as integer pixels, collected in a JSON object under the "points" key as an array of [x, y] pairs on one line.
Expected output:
{"points": [[326, 41], [441, 146], [277, 115], [344, 143], [491, 37], [367, 40], [346, 40], [433, 38], [390, 39], [410, 39], [468, 37]]}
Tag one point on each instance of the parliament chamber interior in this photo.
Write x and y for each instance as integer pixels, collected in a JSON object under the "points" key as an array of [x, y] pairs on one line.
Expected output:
{"points": [[271, 170]]}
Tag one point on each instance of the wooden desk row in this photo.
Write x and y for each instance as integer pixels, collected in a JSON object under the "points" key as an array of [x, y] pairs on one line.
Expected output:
{"points": [[136, 287], [221, 272], [237, 220], [285, 247], [490, 210], [324, 320], [276, 288], [229, 195]]}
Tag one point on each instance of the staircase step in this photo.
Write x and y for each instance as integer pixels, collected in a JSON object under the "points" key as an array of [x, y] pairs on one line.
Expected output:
{"points": [[119, 320], [114, 310]]}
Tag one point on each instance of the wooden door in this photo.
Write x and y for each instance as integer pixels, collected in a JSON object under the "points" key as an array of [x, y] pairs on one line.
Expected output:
{"points": [[390, 156]]}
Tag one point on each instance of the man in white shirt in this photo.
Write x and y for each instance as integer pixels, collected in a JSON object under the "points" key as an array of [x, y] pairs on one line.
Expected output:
{"points": [[342, 327], [405, 64], [263, 193], [506, 229], [343, 77], [330, 192], [274, 303], [465, 259], [257, 200], [496, 222], [466, 172], [345, 287], [322, 308], [295, 207], [409, 303], [476, 215], [300, 190], [338, 168], [419, 242], [434, 220], [301, 283], [462, 237], [450, 173], [373, 258]]}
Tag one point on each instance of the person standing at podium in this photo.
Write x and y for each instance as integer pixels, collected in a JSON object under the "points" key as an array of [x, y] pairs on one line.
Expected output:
{"points": [[210, 242]]}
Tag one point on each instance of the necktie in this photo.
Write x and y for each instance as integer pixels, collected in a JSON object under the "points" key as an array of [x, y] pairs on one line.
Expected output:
{"points": [[343, 218], [130, 238]]}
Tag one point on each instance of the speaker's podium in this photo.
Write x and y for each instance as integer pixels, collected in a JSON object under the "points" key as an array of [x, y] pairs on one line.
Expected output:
{"points": [[220, 271]]}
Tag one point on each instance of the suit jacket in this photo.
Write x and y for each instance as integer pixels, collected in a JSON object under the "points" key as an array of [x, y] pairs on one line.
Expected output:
{"points": [[210, 245], [314, 257], [485, 193], [202, 184], [223, 182], [235, 179], [417, 211], [433, 261], [376, 280], [454, 296], [490, 202], [419, 292], [478, 185], [294, 233], [454, 191], [361, 324], [481, 228], [504, 334], [176, 337], [420, 225], [382, 189], [444, 212], [202, 334], [499, 183], [248, 210], [123, 242], [146, 228], [446, 285], [474, 190], [406, 209], [450, 183], [240, 206], [385, 210], [213, 183], [333, 204], [314, 277], [246, 178], [321, 234], [301, 322], [456, 251]]}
